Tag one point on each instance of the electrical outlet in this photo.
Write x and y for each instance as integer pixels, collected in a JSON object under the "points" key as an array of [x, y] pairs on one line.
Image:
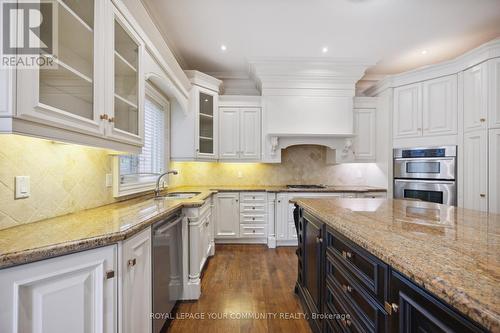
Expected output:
{"points": [[109, 179], [22, 184]]}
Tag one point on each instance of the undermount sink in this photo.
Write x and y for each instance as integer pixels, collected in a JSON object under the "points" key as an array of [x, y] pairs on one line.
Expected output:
{"points": [[180, 195]]}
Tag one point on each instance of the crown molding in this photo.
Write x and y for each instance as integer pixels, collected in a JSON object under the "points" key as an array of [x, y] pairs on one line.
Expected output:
{"points": [[469, 59], [203, 80]]}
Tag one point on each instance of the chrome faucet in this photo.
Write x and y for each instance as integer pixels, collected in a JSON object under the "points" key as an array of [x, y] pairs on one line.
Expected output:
{"points": [[157, 189]]}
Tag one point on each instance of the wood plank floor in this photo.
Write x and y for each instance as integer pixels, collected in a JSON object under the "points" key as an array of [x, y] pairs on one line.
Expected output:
{"points": [[246, 279]]}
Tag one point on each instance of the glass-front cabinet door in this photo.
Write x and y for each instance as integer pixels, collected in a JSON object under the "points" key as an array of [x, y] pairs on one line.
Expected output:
{"points": [[126, 121], [63, 94], [207, 128]]}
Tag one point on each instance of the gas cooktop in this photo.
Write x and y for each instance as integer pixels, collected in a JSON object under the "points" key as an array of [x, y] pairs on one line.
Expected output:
{"points": [[292, 186]]}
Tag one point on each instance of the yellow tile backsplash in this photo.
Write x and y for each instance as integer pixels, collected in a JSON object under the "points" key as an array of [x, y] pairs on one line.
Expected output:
{"points": [[66, 178], [304, 164]]}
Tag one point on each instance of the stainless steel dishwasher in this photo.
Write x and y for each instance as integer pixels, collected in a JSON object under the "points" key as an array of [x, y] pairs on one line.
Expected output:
{"points": [[167, 268]]}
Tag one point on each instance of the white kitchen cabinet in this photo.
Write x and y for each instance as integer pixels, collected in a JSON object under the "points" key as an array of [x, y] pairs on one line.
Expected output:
{"points": [[494, 92], [439, 106], [126, 118], [79, 101], [282, 208], [365, 131], [136, 287], [407, 118], [476, 170], [228, 211], [195, 134], [229, 133], [240, 133], [494, 171], [475, 97], [71, 293]]}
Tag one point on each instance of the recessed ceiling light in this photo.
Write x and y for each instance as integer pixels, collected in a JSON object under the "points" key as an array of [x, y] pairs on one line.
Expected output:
{"points": [[324, 49], [424, 52], [223, 47]]}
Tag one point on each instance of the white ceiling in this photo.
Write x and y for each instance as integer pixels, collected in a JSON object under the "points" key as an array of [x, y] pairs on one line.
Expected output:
{"points": [[391, 33]]}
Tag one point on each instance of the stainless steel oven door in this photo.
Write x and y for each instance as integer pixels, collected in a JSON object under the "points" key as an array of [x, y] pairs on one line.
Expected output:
{"points": [[425, 168], [438, 191]]}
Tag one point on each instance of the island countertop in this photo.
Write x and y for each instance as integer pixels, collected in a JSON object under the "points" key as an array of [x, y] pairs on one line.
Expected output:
{"points": [[454, 253]]}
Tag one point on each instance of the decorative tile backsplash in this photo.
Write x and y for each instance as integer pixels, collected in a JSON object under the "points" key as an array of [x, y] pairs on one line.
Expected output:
{"points": [[64, 178], [304, 164]]}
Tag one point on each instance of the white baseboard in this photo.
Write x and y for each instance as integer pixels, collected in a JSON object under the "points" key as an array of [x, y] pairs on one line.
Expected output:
{"points": [[288, 242], [241, 241]]}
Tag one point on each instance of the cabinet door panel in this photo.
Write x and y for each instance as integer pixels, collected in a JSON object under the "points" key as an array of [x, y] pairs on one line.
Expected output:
{"points": [[476, 170], [494, 92], [206, 108], [440, 113], [229, 141], [282, 216], [65, 96], [60, 295], [475, 105], [136, 277], [250, 130], [407, 111], [313, 256], [494, 175], [227, 225], [364, 128]]}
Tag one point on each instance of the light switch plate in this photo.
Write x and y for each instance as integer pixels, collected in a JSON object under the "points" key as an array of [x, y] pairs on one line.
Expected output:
{"points": [[22, 187], [109, 179]]}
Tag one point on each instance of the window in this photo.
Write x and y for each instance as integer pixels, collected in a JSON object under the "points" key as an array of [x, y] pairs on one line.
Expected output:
{"points": [[138, 173]]}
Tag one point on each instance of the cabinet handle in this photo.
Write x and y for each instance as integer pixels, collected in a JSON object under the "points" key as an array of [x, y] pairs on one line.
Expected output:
{"points": [[103, 116], [131, 262], [110, 275], [482, 195], [111, 120], [391, 307], [482, 120], [319, 240], [347, 288], [346, 254]]}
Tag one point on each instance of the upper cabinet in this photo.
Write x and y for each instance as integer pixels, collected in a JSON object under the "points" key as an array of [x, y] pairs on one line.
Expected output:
{"points": [[426, 109], [195, 133], [475, 102], [240, 133], [407, 120], [67, 95], [126, 118], [365, 131]]}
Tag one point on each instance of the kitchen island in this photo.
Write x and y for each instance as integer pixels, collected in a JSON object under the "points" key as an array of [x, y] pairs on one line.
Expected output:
{"points": [[396, 265]]}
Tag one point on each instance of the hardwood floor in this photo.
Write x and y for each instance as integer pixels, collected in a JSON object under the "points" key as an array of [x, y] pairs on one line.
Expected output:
{"points": [[246, 279]]}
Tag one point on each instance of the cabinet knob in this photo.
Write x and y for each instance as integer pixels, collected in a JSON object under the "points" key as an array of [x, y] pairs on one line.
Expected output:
{"points": [[253, 231], [482, 195], [346, 322], [319, 240], [206, 224], [482, 120], [103, 116], [253, 218], [391, 307], [253, 207], [346, 254], [347, 288], [131, 262], [111, 120], [110, 275]]}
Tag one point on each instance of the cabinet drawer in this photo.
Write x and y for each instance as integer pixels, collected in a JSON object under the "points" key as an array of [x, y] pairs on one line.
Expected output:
{"points": [[253, 218], [366, 308], [253, 197], [362, 266], [252, 208], [253, 230], [338, 315]]}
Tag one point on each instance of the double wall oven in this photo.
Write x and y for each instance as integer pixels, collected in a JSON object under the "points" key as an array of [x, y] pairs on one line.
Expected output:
{"points": [[427, 174]]}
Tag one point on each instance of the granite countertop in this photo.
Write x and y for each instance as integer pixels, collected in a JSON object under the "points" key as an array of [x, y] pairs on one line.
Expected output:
{"points": [[454, 253], [283, 188], [109, 224]]}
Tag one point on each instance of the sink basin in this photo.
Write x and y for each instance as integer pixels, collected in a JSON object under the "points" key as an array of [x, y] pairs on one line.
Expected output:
{"points": [[180, 195]]}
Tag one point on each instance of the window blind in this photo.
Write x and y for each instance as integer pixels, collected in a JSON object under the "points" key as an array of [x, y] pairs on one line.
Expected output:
{"points": [[142, 168]]}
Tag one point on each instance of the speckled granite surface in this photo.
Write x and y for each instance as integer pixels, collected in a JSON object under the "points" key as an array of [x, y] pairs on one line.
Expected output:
{"points": [[454, 253], [108, 224]]}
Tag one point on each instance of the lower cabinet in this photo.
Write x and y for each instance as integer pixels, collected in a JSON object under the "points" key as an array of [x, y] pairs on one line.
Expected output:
{"points": [[136, 288], [344, 288], [228, 213], [476, 170], [72, 293]]}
